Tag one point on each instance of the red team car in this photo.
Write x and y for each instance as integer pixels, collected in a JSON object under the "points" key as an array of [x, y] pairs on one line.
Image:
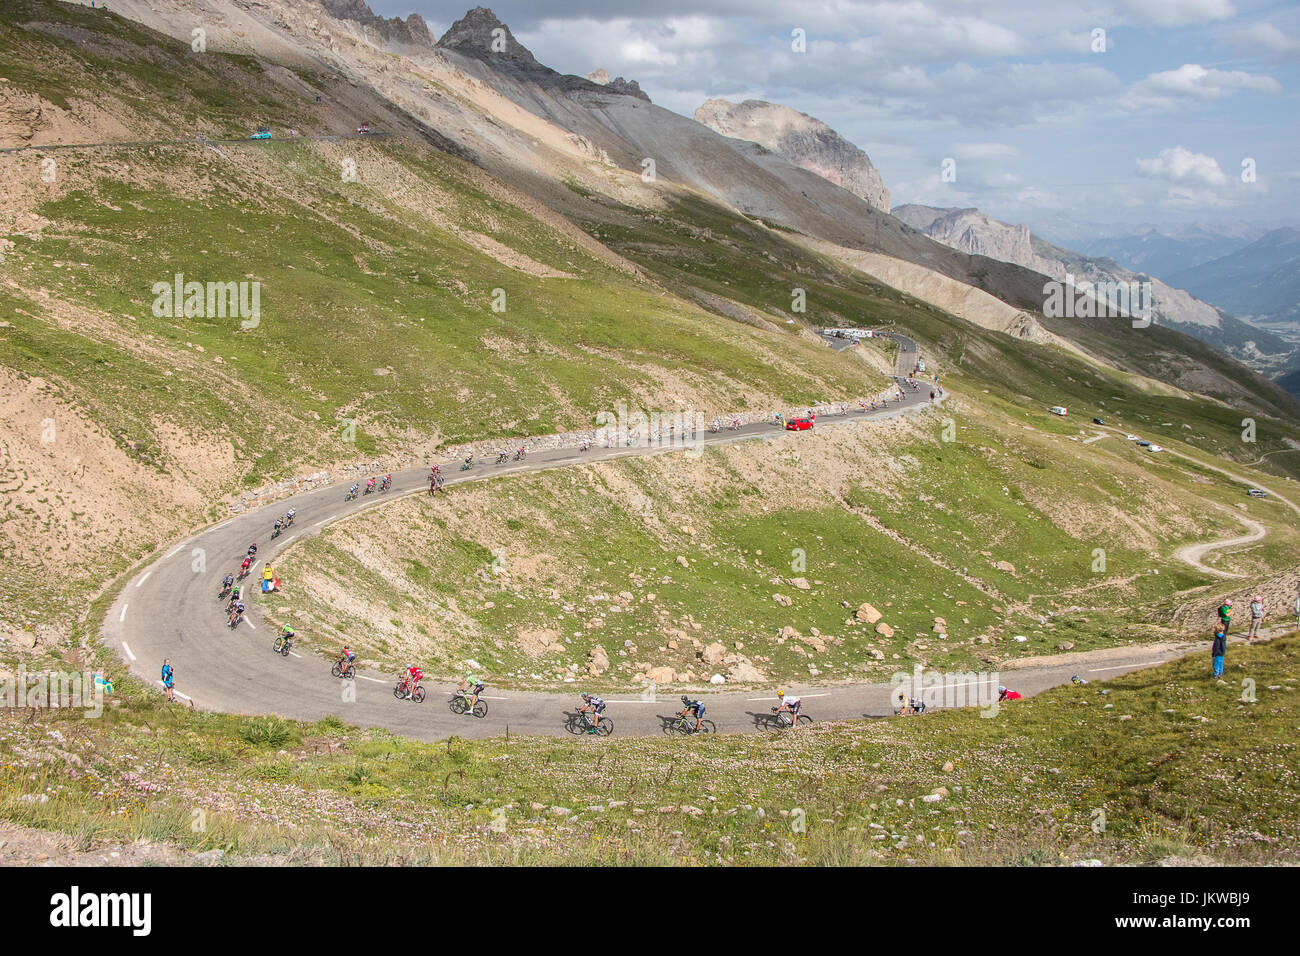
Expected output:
{"points": [[798, 424]]}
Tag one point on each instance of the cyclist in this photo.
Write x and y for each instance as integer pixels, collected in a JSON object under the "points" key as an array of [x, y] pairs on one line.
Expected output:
{"points": [[252, 550], [520, 454], [435, 469], [234, 599], [1004, 694], [388, 480], [243, 568], [279, 526], [586, 444], [349, 657], [227, 583], [413, 677], [1076, 679], [471, 687], [595, 706], [237, 614], [693, 706], [789, 705], [370, 484], [168, 678], [287, 633], [289, 515]]}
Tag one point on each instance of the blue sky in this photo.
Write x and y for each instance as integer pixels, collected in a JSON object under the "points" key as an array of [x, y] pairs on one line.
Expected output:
{"points": [[1154, 129]]}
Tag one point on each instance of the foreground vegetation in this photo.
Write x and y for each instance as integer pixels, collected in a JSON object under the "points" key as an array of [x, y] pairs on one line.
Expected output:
{"points": [[1165, 763]]}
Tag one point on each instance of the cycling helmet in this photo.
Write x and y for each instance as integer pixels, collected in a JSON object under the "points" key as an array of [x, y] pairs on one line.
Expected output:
{"points": [[685, 700], [1002, 690], [1228, 602], [780, 693]]}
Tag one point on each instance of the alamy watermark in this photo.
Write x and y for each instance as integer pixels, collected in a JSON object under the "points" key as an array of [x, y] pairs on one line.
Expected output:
{"points": [[947, 689], [1087, 300], [78, 690], [210, 300], [635, 428]]}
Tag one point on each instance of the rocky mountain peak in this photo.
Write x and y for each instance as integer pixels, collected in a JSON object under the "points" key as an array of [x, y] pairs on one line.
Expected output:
{"points": [[480, 34], [799, 139], [413, 29]]}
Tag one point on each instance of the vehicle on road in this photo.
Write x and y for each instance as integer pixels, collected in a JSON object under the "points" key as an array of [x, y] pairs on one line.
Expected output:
{"points": [[684, 724], [799, 424], [785, 719], [363, 129], [1155, 448], [416, 695], [1143, 444], [1132, 437], [1059, 410], [580, 723], [1257, 493], [459, 704], [262, 133], [1098, 421]]}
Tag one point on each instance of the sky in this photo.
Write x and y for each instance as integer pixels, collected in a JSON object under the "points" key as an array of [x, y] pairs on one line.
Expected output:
{"points": [[1076, 118]]}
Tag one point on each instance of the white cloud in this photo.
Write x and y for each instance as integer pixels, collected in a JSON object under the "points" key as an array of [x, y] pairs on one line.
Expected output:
{"points": [[1180, 165], [1195, 81]]}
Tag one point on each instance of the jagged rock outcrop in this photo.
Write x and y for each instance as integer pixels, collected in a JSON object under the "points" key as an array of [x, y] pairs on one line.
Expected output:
{"points": [[799, 139], [412, 30], [481, 35], [971, 231]]}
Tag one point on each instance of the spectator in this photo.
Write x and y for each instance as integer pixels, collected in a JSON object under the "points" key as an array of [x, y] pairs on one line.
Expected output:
{"points": [[168, 678], [1256, 618], [1217, 651], [1225, 615]]}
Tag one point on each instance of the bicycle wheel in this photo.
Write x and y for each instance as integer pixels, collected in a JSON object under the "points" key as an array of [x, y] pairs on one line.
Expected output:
{"points": [[708, 727], [605, 727], [574, 725], [480, 709], [457, 704], [336, 670], [418, 696], [398, 692], [278, 645], [683, 726], [284, 651], [804, 720], [783, 719], [350, 673]]}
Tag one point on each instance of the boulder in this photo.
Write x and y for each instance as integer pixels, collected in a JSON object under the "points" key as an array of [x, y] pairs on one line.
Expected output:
{"points": [[884, 630], [745, 672], [660, 675], [713, 654], [800, 583], [782, 600], [717, 679], [867, 614], [597, 661]]}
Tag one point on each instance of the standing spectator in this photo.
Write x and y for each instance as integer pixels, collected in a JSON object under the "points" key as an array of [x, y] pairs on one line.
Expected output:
{"points": [[1217, 651], [1256, 618], [168, 679], [1225, 614]]}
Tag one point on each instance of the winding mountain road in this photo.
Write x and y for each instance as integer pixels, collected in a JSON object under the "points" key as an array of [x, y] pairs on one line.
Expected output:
{"points": [[171, 610]]}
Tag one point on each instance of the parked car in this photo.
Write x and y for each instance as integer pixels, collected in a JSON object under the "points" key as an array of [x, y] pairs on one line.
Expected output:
{"points": [[363, 129], [1257, 493], [798, 424], [1155, 448], [1132, 437], [1143, 444], [1058, 410], [1098, 421], [262, 133]]}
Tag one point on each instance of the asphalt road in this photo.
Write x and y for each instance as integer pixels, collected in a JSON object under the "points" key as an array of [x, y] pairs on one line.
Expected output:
{"points": [[171, 610]]}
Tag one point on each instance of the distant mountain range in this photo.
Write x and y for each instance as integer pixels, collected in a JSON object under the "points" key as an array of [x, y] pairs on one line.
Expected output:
{"points": [[1260, 282]]}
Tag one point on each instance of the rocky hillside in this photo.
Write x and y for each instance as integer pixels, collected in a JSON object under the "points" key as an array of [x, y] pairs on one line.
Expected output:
{"points": [[412, 30], [802, 140], [973, 232]]}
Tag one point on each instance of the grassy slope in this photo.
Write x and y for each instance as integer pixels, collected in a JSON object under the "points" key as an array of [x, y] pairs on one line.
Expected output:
{"points": [[1180, 765], [894, 516]]}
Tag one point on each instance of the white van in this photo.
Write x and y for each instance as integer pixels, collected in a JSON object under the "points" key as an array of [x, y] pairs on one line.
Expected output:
{"points": [[1058, 410]]}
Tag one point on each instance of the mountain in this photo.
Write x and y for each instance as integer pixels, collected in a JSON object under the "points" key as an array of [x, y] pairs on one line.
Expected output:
{"points": [[412, 30], [806, 142], [1162, 254], [972, 231], [1260, 282]]}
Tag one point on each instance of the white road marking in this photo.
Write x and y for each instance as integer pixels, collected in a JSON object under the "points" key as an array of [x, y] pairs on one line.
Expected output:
{"points": [[1120, 667], [182, 696], [122, 617], [294, 654], [127, 648], [250, 624], [174, 551], [143, 579], [373, 680], [319, 523], [800, 696]]}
